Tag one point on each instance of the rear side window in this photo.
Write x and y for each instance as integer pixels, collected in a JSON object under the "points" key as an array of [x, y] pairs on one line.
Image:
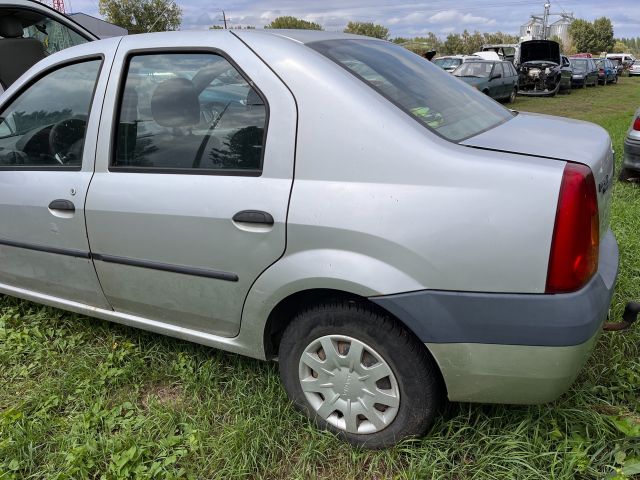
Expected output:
{"points": [[189, 112], [430, 95]]}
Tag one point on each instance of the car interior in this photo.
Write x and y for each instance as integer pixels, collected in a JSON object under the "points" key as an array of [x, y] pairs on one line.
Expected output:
{"points": [[208, 121], [24, 52], [26, 37]]}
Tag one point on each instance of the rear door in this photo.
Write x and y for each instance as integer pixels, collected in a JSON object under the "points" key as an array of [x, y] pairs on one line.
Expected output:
{"points": [[47, 149], [496, 85], [189, 200]]}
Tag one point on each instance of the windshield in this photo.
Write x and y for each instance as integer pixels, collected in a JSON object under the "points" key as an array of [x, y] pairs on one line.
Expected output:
{"points": [[448, 62], [440, 102], [474, 69], [579, 65]]}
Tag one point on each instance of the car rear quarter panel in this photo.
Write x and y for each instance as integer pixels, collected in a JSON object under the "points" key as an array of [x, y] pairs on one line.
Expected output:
{"points": [[381, 205]]}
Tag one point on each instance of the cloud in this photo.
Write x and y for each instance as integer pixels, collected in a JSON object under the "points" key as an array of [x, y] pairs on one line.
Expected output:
{"points": [[409, 18]]}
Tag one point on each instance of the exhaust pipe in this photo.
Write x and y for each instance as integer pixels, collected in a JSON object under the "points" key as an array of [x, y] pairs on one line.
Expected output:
{"points": [[629, 316]]}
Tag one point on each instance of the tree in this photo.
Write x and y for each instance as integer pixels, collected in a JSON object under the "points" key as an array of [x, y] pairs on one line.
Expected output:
{"points": [[620, 47], [559, 41], [294, 23], [603, 35], [583, 35], [141, 16], [368, 29], [453, 44]]}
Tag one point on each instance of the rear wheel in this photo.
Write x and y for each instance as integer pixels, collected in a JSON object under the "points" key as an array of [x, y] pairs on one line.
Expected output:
{"points": [[512, 98], [628, 175], [357, 372]]}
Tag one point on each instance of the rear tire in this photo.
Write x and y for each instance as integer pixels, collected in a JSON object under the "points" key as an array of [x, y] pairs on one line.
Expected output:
{"points": [[512, 98], [390, 391], [628, 175]]}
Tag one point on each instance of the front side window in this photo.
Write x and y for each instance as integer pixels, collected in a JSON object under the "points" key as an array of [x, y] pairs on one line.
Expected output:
{"points": [[191, 111], [427, 93], [53, 35], [45, 125]]}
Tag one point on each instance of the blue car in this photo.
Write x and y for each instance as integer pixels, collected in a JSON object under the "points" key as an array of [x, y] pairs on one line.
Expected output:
{"points": [[607, 71]]}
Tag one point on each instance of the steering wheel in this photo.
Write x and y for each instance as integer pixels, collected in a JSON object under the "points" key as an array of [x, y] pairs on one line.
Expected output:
{"points": [[65, 139]]}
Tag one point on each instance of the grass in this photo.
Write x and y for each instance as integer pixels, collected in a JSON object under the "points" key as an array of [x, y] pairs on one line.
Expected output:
{"points": [[82, 398]]}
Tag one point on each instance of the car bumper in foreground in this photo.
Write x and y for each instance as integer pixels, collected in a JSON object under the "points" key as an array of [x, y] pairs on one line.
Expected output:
{"points": [[510, 348]]}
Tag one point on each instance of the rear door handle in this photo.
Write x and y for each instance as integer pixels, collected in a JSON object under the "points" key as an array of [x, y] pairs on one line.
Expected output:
{"points": [[253, 216], [63, 205]]}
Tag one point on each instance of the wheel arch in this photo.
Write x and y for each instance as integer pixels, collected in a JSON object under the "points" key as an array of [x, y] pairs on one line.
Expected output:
{"points": [[285, 311]]}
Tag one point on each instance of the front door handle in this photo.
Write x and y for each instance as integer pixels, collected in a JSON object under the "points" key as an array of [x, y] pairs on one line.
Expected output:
{"points": [[253, 216], [63, 205]]}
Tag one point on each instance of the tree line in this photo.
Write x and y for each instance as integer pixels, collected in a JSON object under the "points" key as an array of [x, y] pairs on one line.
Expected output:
{"points": [[139, 16]]}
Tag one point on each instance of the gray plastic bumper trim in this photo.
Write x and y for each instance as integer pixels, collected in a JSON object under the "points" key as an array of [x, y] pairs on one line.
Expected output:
{"points": [[437, 316]]}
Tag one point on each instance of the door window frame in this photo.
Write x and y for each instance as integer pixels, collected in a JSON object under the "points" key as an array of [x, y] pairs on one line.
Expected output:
{"points": [[36, 78], [182, 171]]}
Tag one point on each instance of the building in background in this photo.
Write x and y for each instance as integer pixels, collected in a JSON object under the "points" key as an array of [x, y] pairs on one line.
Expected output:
{"points": [[532, 30], [98, 27], [560, 29]]}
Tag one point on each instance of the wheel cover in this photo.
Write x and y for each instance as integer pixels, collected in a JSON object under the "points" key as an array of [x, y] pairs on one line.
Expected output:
{"points": [[349, 384]]}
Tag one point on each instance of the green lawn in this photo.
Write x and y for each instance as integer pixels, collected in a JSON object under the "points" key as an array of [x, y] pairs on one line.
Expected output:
{"points": [[81, 397]]}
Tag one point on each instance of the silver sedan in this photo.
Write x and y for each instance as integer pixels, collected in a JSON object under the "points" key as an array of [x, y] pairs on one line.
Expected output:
{"points": [[388, 233]]}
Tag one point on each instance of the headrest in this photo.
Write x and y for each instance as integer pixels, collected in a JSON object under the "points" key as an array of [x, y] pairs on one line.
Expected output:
{"points": [[10, 27], [175, 103]]}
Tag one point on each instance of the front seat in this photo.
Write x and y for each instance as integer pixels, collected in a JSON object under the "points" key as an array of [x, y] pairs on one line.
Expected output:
{"points": [[17, 54]]}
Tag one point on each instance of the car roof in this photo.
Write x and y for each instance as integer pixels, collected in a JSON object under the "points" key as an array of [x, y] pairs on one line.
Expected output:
{"points": [[307, 36]]}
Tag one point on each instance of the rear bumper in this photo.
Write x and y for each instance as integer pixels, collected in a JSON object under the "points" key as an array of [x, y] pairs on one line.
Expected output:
{"points": [[631, 154], [510, 348]]}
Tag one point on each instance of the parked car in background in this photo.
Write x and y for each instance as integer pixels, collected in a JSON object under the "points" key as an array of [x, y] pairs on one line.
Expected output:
{"points": [[631, 162], [634, 69], [451, 62], [460, 248], [506, 51], [582, 55], [585, 72], [566, 74], [607, 72], [626, 59], [493, 56], [497, 79], [619, 66], [540, 68], [29, 31]]}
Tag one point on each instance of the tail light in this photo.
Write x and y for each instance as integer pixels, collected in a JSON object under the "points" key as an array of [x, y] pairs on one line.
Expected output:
{"points": [[636, 124], [576, 235]]}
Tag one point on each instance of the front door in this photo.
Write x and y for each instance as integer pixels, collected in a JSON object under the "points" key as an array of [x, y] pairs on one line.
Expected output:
{"points": [[47, 147], [189, 201]]}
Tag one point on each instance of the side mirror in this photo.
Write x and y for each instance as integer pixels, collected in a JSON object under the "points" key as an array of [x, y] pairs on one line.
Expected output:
{"points": [[496, 76]]}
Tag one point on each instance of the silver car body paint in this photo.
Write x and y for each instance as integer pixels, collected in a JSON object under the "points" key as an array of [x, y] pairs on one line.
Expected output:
{"points": [[378, 204]]}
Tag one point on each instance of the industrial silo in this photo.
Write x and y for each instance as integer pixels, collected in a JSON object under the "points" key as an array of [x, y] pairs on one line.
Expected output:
{"points": [[532, 30], [561, 29]]}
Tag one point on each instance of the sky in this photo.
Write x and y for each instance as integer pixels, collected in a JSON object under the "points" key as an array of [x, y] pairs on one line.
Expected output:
{"points": [[406, 19]]}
